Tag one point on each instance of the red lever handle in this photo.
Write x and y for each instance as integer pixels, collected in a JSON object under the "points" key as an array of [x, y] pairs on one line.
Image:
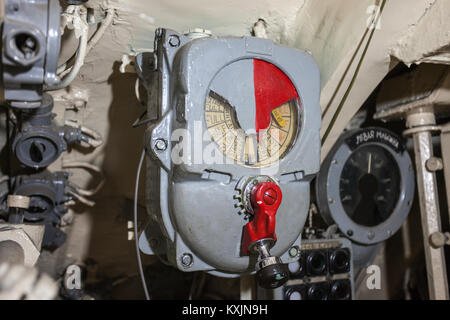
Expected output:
{"points": [[265, 198]]}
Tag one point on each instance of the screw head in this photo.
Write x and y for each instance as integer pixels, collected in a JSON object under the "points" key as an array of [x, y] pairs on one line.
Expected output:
{"points": [[434, 164], [187, 260], [270, 196], [160, 145], [174, 41], [437, 240], [293, 252]]}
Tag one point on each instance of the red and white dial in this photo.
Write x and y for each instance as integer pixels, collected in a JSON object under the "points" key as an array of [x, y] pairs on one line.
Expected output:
{"points": [[252, 112]]}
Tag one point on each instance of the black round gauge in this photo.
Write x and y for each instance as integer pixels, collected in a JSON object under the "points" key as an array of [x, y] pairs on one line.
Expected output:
{"points": [[366, 185], [369, 185]]}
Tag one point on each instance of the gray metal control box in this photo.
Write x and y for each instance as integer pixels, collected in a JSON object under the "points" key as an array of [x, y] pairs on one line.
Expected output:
{"points": [[197, 85]]}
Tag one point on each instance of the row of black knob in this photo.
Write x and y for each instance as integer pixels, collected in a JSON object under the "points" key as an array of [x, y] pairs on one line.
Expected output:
{"points": [[330, 290], [314, 263]]}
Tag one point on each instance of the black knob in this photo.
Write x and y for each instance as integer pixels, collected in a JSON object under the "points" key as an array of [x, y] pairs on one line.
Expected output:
{"points": [[341, 290], [316, 263], [318, 291], [273, 275], [297, 292], [339, 261]]}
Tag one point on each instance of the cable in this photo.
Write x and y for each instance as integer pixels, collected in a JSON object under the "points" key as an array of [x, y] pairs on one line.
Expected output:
{"points": [[80, 198], [105, 23], [81, 54], [355, 75], [136, 90], [138, 253], [86, 166], [63, 69], [90, 136]]}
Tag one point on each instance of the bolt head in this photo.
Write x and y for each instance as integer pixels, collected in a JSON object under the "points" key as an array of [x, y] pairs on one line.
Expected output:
{"points": [[174, 41], [160, 145], [293, 252], [186, 260], [434, 164], [270, 196], [437, 240]]}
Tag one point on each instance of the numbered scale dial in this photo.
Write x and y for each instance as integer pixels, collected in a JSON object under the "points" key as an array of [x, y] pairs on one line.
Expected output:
{"points": [[253, 150], [275, 104]]}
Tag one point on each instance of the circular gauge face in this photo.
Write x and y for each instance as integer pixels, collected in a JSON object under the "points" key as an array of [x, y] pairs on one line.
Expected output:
{"points": [[366, 185], [369, 185], [252, 113]]}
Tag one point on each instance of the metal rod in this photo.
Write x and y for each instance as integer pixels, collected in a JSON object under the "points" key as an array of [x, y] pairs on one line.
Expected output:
{"points": [[429, 211], [445, 150]]}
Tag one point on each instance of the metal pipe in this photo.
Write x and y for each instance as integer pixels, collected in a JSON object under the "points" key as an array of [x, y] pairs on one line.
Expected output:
{"points": [[429, 204], [445, 150]]}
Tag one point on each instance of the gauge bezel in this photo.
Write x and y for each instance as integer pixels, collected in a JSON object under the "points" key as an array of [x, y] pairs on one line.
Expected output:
{"points": [[328, 191]]}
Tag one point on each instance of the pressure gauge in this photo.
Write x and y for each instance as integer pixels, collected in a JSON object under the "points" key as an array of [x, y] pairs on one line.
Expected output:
{"points": [[366, 185]]}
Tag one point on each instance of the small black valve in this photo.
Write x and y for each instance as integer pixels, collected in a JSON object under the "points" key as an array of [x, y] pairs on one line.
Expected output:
{"points": [[38, 142]]}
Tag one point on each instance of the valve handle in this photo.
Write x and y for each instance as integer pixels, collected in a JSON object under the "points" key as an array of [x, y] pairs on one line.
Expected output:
{"points": [[265, 198], [259, 235]]}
